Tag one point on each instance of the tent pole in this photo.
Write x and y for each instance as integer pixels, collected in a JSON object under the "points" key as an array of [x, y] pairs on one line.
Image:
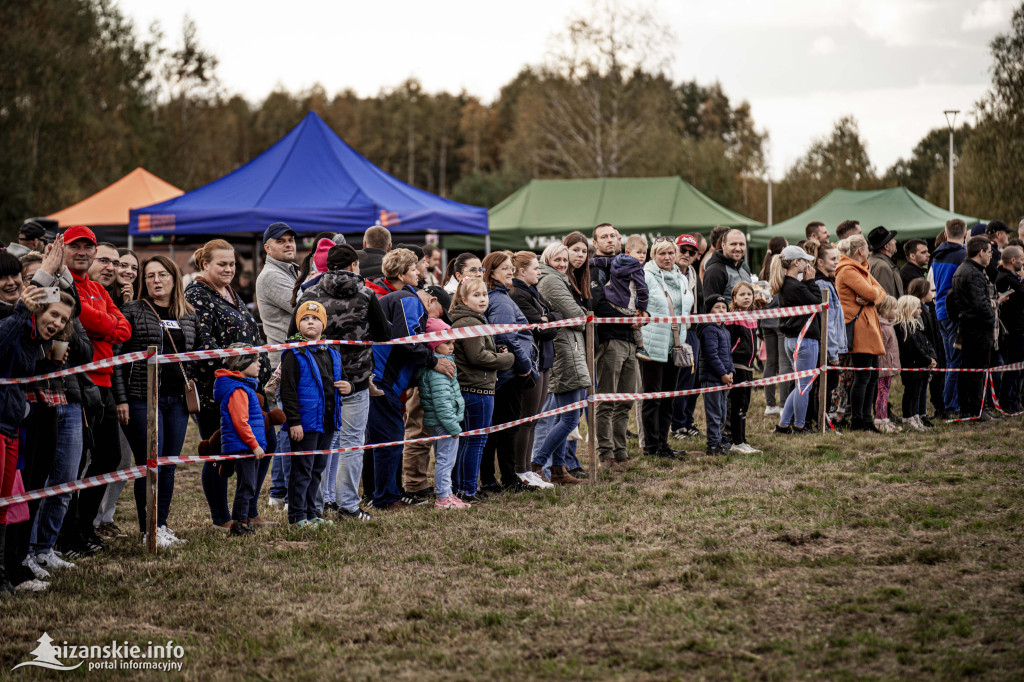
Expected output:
{"points": [[131, 244], [256, 259], [487, 243]]}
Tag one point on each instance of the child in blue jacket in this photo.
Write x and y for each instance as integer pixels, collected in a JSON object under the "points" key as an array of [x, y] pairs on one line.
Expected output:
{"points": [[242, 429], [716, 369], [311, 390], [443, 411]]}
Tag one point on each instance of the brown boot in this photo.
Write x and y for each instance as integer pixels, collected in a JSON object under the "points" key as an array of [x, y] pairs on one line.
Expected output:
{"points": [[559, 476], [537, 469]]}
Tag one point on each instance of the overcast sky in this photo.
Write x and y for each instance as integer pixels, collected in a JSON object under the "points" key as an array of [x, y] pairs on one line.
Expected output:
{"points": [[893, 64]]}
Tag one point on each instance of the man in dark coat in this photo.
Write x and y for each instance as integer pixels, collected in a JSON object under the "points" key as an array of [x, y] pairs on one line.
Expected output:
{"points": [[969, 298]]}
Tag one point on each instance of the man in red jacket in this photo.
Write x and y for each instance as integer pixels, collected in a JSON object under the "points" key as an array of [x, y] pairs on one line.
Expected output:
{"points": [[105, 326]]}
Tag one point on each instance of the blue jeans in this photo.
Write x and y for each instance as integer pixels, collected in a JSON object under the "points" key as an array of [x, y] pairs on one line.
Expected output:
{"points": [[948, 329], [355, 410], [304, 481], [795, 410], [172, 422], [385, 425], [466, 475], [66, 462], [445, 453], [556, 439], [714, 414], [280, 467]]}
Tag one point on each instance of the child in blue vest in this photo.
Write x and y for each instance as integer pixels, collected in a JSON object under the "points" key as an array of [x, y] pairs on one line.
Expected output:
{"points": [[443, 410], [716, 369], [242, 429], [311, 390]]}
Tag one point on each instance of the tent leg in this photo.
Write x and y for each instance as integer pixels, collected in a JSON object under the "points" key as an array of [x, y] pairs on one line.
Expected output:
{"points": [[487, 243], [131, 243]]}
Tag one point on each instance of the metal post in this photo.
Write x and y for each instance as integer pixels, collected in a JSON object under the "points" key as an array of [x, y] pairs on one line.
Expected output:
{"points": [[487, 242], [131, 243], [951, 122], [769, 201], [152, 441], [822, 362], [591, 406]]}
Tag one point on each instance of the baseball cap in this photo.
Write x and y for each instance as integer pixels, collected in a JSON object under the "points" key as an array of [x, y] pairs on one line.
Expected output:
{"points": [[76, 232], [685, 240], [795, 253], [276, 231]]}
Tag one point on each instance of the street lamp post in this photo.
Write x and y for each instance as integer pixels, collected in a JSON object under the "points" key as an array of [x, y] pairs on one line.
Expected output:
{"points": [[951, 122]]}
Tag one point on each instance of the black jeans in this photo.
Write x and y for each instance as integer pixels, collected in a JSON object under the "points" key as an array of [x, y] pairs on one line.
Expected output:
{"points": [[105, 456], [970, 387], [304, 480], [657, 414], [508, 405], [913, 384], [865, 385], [739, 403]]}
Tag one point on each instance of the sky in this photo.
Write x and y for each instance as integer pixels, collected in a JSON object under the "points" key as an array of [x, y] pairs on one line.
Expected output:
{"points": [[895, 65]]}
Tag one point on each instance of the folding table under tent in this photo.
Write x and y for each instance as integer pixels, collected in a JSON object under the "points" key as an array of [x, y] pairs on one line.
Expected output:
{"points": [[897, 209], [313, 181], [546, 210]]}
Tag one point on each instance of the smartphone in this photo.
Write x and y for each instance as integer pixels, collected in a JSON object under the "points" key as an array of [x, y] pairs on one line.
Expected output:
{"points": [[50, 295]]}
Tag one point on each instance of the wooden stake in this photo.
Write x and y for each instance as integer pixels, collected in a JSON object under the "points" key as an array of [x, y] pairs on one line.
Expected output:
{"points": [[591, 407], [822, 362]]}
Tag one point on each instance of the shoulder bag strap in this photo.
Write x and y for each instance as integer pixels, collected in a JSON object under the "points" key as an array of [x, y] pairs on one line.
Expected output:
{"points": [[671, 310], [169, 336]]}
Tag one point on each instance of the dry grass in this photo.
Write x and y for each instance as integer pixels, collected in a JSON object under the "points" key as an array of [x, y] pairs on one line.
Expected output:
{"points": [[823, 557]]}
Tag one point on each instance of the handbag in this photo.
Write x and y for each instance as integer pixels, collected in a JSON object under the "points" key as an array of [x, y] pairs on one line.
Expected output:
{"points": [[682, 353], [850, 329], [191, 392]]}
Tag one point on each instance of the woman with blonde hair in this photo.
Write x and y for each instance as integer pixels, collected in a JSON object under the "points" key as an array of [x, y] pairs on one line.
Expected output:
{"points": [[859, 293], [222, 319], [916, 352]]}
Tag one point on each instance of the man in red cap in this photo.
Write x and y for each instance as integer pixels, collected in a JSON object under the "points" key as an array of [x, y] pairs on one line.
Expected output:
{"points": [[105, 326]]}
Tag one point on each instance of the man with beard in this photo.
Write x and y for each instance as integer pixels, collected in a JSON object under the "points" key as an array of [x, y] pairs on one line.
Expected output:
{"points": [[726, 268]]}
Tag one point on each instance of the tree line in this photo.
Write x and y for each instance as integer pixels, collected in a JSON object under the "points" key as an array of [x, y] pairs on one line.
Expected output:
{"points": [[84, 98]]}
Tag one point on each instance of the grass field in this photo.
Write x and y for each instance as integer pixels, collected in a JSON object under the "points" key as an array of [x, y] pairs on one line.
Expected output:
{"points": [[824, 557]]}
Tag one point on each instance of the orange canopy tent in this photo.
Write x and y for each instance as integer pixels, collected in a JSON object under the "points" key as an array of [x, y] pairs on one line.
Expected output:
{"points": [[111, 204]]}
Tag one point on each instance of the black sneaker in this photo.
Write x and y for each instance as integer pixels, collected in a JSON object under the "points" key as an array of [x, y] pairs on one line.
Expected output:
{"points": [[578, 472], [783, 430], [410, 501], [332, 507], [471, 499], [240, 529], [518, 486], [693, 432], [95, 543], [928, 422], [493, 488], [357, 515], [424, 494]]}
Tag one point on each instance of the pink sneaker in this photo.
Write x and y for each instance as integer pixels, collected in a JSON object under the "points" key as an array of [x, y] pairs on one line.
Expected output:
{"points": [[459, 504], [450, 502]]}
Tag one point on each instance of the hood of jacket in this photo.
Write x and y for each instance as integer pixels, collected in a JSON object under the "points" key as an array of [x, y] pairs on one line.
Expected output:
{"points": [[846, 262], [459, 312], [340, 283], [945, 249]]}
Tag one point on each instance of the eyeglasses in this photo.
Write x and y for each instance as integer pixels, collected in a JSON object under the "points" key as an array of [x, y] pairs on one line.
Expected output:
{"points": [[690, 252], [108, 261], [153, 276]]}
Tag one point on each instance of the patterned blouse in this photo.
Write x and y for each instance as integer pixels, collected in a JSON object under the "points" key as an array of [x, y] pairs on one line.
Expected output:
{"points": [[220, 324]]}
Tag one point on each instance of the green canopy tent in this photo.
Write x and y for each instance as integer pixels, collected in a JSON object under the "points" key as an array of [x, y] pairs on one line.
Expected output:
{"points": [[546, 210], [897, 208]]}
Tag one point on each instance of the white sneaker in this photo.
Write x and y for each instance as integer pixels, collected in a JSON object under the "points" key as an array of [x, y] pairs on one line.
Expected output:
{"points": [[915, 423], [162, 541], [535, 479], [278, 503], [169, 534], [737, 449], [750, 449], [38, 571], [52, 561], [772, 411], [31, 586]]}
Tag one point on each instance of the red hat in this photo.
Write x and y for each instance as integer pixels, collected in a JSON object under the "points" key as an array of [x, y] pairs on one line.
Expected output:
{"points": [[687, 240], [77, 232]]}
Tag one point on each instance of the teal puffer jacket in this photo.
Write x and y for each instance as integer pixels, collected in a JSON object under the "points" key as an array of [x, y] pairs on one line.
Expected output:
{"points": [[441, 398], [569, 372], [658, 337]]}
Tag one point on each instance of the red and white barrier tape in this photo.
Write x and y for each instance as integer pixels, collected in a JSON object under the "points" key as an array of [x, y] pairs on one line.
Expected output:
{"points": [[99, 364], [737, 316], [446, 335], [985, 370], [995, 400], [91, 482], [140, 471], [988, 378], [657, 395]]}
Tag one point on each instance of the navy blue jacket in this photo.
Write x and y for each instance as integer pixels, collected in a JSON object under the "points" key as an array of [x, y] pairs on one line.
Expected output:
{"points": [[19, 350], [230, 441], [501, 309], [716, 346], [309, 389], [394, 366]]}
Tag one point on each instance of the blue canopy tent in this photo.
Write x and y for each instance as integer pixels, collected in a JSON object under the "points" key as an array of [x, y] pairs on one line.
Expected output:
{"points": [[313, 181]]}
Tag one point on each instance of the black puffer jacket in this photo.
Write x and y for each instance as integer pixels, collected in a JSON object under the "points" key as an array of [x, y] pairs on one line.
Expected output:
{"points": [[535, 308], [969, 297], [129, 380]]}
